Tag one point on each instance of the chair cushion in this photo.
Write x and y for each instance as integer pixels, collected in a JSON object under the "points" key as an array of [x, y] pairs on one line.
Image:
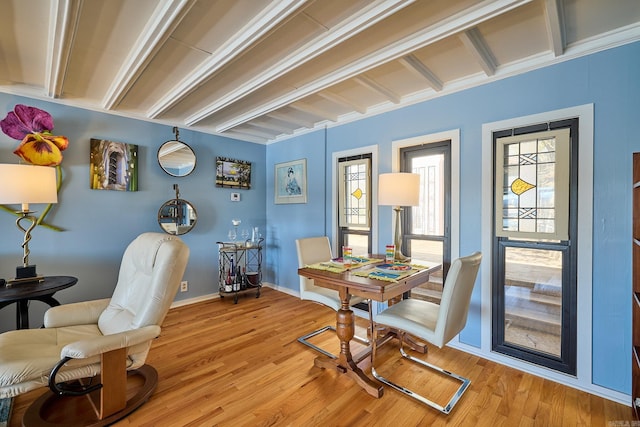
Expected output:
{"points": [[413, 316], [327, 297], [16, 347]]}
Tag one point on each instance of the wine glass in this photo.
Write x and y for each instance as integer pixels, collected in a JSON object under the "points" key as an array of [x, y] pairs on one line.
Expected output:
{"points": [[236, 222], [232, 235], [245, 234]]}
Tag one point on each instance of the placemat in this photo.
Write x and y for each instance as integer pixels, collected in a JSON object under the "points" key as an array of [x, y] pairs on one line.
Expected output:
{"points": [[389, 276], [337, 268]]}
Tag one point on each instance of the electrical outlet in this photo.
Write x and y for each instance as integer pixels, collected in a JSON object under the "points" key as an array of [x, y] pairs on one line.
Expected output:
{"points": [[184, 286]]}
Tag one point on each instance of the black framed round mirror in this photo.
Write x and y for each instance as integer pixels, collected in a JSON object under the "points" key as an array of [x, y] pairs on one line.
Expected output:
{"points": [[177, 216], [176, 158]]}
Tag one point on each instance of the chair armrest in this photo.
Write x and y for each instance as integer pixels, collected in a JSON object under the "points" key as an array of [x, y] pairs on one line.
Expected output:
{"points": [[84, 349], [78, 313]]}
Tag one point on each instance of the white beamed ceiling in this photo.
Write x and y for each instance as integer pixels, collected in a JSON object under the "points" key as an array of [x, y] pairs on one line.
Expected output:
{"points": [[266, 70]]}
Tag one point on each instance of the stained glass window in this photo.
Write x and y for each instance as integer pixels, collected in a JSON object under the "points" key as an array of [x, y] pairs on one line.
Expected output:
{"points": [[355, 178], [533, 185]]}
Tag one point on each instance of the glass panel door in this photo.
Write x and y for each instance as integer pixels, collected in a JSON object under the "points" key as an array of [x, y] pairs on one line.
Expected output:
{"points": [[535, 284], [426, 235]]}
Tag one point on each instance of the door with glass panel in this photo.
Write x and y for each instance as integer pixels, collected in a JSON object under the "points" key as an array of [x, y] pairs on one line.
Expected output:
{"points": [[426, 228], [534, 275], [354, 204]]}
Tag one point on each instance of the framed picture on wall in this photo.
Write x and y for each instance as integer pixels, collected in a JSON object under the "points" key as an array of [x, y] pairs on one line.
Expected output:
{"points": [[291, 182], [232, 173], [113, 165]]}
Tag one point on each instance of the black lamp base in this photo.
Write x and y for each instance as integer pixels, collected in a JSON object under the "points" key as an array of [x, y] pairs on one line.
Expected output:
{"points": [[25, 274], [26, 271]]}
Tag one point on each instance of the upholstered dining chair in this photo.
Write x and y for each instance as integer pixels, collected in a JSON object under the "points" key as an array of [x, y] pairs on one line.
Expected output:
{"points": [[435, 323], [92, 354], [310, 251]]}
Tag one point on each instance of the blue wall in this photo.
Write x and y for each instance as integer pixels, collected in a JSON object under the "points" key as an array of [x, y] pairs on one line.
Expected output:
{"points": [[99, 224], [610, 80]]}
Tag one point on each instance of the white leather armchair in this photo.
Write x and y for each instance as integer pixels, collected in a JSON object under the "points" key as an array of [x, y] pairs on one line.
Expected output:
{"points": [[436, 324], [310, 251], [102, 339]]}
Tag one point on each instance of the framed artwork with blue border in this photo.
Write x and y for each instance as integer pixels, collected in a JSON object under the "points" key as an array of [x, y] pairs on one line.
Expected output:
{"points": [[290, 180]]}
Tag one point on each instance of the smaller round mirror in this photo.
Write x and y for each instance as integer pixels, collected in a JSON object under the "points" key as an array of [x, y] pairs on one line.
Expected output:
{"points": [[176, 158], [177, 216]]}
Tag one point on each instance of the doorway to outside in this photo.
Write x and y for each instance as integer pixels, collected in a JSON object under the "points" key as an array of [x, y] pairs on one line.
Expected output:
{"points": [[534, 284], [427, 227]]}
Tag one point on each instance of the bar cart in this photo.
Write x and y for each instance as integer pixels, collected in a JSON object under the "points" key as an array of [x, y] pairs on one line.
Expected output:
{"points": [[240, 268]]}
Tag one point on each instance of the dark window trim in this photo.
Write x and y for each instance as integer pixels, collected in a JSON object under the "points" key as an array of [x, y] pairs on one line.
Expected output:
{"points": [[567, 362]]}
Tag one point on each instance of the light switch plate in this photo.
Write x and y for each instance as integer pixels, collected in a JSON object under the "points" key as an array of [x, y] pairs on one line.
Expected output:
{"points": [[235, 197]]}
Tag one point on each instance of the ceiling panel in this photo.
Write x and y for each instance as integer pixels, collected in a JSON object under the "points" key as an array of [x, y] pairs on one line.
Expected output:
{"points": [[23, 50], [509, 42], [588, 18], [264, 70], [164, 71]]}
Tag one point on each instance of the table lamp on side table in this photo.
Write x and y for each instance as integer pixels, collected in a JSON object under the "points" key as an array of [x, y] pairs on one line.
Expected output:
{"points": [[25, 184], [397, 190]]}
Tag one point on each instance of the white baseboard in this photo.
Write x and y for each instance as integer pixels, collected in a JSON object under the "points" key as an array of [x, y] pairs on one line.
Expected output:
{"points": [[194, 300]]}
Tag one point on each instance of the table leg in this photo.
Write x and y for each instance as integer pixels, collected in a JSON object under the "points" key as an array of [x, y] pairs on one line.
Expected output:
{"points": [[22, 314], [22, 309], [345, 329]]}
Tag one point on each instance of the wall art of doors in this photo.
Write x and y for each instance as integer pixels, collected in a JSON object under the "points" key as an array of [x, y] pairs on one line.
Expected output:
{"points": [[113, 165]]}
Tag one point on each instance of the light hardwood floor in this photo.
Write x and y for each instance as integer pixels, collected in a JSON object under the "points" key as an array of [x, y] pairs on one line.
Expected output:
{"points": [[222, 364]]}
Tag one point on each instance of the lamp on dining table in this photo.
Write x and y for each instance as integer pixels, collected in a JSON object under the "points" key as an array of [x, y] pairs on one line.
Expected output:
{"points": [[399, 189], [25, 185]]}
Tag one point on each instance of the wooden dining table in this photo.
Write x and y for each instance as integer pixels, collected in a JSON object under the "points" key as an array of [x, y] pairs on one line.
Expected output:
{"points": [[347, 283]]}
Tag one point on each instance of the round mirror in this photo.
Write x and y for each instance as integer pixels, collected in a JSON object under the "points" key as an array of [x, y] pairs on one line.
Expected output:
{"points": [[176, 158], [177, 216]]}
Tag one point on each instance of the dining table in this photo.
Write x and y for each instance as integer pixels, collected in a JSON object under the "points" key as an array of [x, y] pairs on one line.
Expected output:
{"points": [[367, 280]]}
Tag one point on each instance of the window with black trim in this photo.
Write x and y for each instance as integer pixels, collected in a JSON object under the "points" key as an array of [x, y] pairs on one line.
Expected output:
{"points": [[426, 227], [534, 284], [354, 203]]}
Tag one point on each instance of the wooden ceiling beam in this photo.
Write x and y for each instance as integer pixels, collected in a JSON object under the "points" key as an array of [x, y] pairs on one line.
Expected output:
{"points": [[341, 100], [363, 19], [293, 120], [475, 44], [461, 21], [268, 123], [314, 111], [270, 17], [62, 32], [413, 64], [554, 22], [377, 87], [166, 17]]}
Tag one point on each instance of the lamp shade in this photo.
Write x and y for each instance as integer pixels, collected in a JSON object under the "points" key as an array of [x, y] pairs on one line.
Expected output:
{"points": [[399, 189], [27, 184]]}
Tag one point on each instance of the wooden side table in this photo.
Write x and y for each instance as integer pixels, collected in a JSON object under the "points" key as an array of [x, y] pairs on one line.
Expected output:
{"points": [[39, 291]]}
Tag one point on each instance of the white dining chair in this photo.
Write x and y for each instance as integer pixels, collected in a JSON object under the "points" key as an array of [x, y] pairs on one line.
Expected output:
{"points": [[312, 250], [435, 323]]}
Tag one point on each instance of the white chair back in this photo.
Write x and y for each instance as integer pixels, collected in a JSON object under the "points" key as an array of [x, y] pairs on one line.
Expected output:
{"points": [[150, 273], [456, 297], [310, 251]]}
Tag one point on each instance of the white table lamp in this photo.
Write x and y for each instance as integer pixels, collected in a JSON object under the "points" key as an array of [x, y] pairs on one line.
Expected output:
{"points": [[24, 185], [397, 190]]}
